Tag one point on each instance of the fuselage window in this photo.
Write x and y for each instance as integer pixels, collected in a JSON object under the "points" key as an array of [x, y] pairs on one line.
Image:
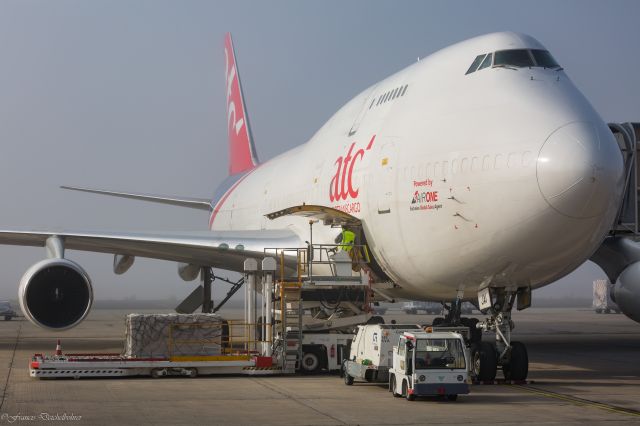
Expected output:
{"points": [[404, 89], [464, 165], [395, 93], [476, 63], [513, 58], [486, 165], [487, 62], [475, 164]]}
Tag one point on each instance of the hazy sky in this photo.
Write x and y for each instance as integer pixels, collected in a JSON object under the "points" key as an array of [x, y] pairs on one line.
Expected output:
{"points": [[129, 95]]}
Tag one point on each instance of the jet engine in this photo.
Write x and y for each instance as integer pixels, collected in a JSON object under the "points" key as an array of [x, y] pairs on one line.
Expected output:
{"points": [[626, 291], [55, 294]]}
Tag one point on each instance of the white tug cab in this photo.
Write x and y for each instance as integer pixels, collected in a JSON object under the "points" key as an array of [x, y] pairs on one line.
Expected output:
{"points": [[430, 364]]}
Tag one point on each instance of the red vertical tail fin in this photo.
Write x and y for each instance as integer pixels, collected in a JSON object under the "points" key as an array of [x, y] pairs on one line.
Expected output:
{"points": [[242, 153]]}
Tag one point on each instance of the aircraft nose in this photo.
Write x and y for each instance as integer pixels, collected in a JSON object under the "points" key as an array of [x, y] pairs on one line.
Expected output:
{"points": [[579, 170]]}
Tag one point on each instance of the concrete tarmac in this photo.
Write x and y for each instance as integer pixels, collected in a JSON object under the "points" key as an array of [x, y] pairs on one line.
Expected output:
{"points": [[584, 368]]}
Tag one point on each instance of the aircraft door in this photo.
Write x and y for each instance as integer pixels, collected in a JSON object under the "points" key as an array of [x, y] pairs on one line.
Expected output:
{"points": [[386, 174]]}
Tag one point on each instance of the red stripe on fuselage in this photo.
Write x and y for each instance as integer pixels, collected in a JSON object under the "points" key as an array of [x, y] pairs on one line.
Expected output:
{"points": [[226, 195]]}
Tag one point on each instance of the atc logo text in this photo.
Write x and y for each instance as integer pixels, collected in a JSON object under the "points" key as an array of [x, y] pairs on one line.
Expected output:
{"points": [[341, 185]]}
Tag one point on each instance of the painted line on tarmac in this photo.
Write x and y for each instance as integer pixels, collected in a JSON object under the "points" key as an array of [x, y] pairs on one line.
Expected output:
{"points": [[272, 387], [13, 357], [579, 401]]}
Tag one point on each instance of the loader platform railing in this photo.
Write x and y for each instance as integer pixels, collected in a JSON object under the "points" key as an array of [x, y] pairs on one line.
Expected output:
{"points": [[320, 262]]}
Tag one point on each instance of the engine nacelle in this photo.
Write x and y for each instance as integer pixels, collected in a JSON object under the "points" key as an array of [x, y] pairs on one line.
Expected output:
{"points": [[55, 294], [626, 291], [188, 272]]}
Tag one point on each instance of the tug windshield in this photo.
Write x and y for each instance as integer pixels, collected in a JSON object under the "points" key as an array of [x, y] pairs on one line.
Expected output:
{"points": [[439, 353]]}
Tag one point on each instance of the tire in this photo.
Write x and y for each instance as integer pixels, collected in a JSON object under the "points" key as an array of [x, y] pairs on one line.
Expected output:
{"points": [[310, 363], [475, 334], [392, 385], [518, 367], [405, 392], [7, 318], [192, 372], [376, 320], [598, 311], [437, 321], [485, 362], [156, 373], [452, 397], [348, 380]]}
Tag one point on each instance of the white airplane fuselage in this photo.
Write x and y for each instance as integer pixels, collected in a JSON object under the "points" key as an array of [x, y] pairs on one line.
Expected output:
{"points": [[502, 177]]}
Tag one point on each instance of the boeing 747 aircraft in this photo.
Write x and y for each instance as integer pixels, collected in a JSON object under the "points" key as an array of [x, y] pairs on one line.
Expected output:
{"points": [[477, 173]]}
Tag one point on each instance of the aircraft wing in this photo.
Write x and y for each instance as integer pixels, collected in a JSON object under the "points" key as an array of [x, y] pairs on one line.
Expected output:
{"points": [[219, 249]]}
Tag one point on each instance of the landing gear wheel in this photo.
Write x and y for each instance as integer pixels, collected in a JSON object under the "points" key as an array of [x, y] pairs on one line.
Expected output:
{"points": [[437, 321], [192, 372], [156, 373], [310, 363], [405, 392], [452, 397], [518, 367], [485, 362], [475, 334]]}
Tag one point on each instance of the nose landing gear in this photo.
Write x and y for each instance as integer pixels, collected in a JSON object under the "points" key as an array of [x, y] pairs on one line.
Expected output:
{"points": [[511, 356], [486, 357]]}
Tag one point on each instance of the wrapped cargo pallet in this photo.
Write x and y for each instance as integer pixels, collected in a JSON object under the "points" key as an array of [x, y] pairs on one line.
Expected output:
{"points": [[167, 335]]}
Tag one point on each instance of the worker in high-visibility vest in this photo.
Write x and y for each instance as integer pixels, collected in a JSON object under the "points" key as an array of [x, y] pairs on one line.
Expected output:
{"points": [[346, 239]]}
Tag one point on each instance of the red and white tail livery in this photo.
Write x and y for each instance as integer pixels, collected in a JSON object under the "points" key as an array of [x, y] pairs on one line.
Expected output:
{"points": [[242, 153]]}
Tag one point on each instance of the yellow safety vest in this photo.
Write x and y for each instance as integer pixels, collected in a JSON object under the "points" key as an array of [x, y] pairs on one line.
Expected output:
{"points": [[348, 238]]}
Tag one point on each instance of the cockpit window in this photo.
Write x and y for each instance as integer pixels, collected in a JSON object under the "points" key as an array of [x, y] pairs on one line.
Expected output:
{"points": [[544, 59], [476, 62], [487, 62], [513, 58]]}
